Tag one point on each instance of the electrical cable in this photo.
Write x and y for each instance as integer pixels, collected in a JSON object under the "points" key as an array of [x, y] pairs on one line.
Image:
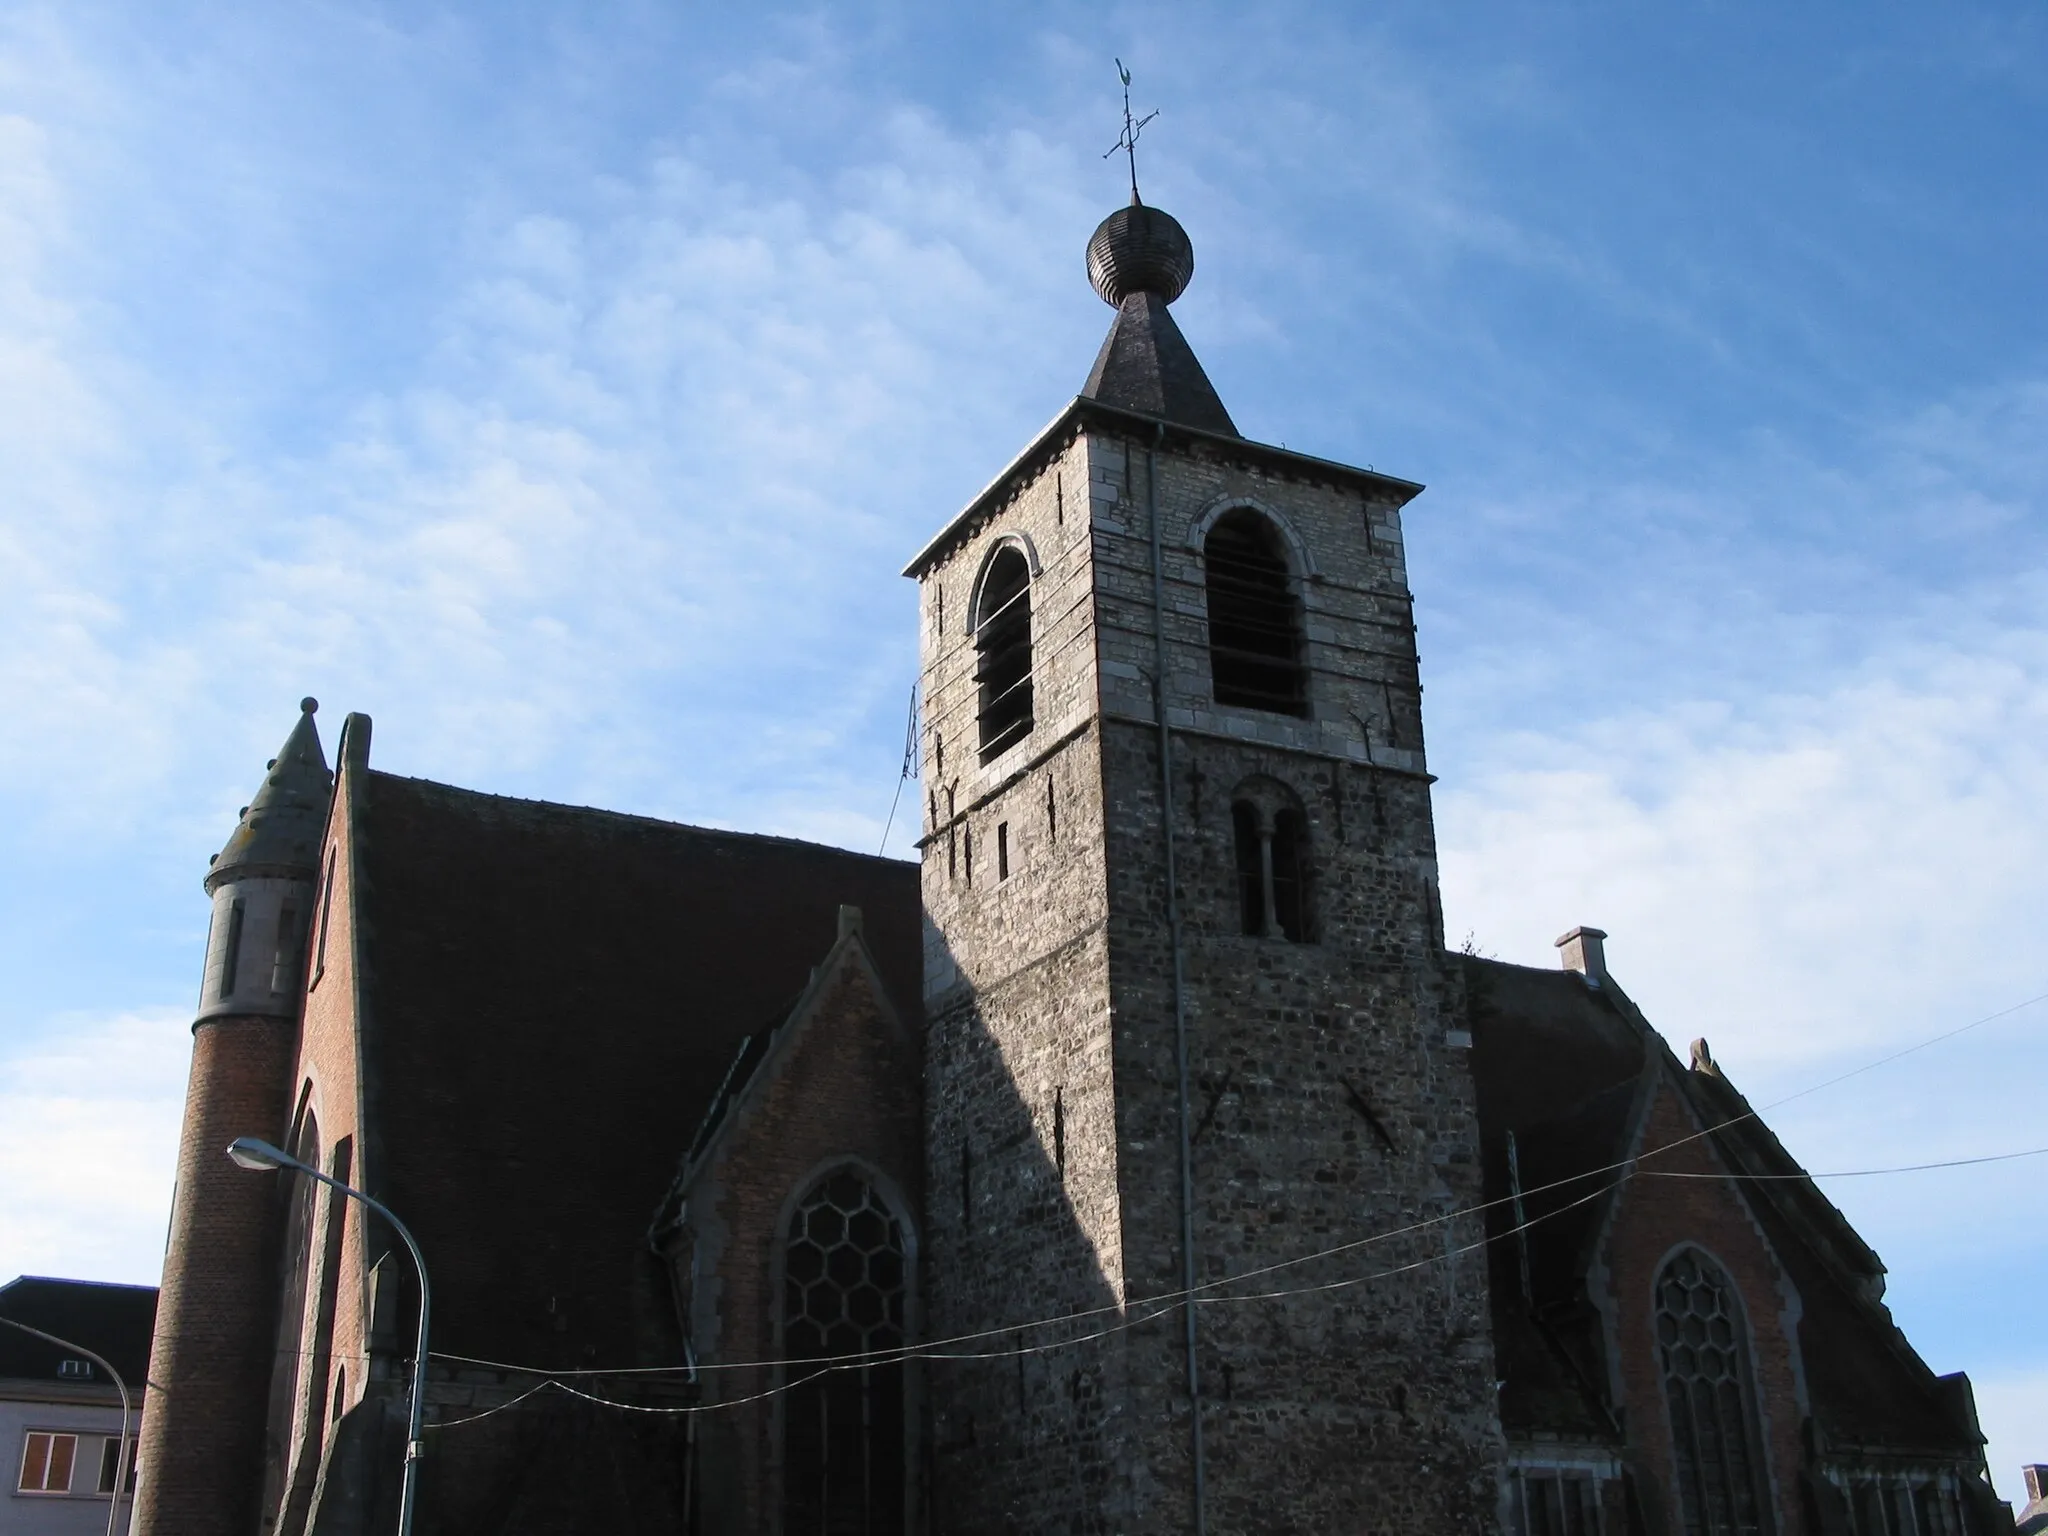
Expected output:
{"points": [[1167, 1301]]}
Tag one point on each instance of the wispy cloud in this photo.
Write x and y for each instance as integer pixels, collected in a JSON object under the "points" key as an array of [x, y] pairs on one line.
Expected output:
{"points": [[88, 1147]]}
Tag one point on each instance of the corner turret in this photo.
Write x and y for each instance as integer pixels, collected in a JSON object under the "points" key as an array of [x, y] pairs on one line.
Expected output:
{"points": [[262, 883]]}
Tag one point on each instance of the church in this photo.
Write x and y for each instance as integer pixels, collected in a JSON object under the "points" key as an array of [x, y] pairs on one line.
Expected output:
{"points": [[1138, 1160]]}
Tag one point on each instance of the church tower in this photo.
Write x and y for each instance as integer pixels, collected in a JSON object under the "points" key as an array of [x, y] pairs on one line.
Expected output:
{"points": [[1190, 1019], [210, 1364]]}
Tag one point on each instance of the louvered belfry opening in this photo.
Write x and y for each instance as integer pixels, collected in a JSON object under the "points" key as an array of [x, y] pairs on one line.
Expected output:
{"points": [[1255, 640], [1002, 653], [844, 1283], [1703, 1347]]}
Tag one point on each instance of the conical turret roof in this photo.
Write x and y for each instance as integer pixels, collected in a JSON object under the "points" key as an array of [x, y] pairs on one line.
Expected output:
{"points": [[1140, 260], [280, 829]]}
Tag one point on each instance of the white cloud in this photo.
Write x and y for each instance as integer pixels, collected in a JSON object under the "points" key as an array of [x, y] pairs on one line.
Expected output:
{"points": [[88, 1146]]}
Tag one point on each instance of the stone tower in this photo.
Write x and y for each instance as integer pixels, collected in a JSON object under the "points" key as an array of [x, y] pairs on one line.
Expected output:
{"points": [[210, 1363], [1190, 1020]]}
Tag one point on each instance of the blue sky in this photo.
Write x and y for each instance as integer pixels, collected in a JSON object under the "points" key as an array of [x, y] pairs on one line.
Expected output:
{"points": [[565, 386]]}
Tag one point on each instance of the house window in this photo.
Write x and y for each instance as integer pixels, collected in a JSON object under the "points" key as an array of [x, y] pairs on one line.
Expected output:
{"points": [[1703, 1348], [1269, 835], [46, 1462], [1002, 652], [1255, 638], [844, 1287], [110, 1458], [1555, 1502]]}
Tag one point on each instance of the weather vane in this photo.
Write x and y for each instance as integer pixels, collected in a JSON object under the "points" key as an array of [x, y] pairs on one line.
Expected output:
{"points": [[1127, 141]]}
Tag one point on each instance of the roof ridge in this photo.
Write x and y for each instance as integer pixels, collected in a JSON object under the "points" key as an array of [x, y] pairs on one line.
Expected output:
{"points": [[600, 813]]}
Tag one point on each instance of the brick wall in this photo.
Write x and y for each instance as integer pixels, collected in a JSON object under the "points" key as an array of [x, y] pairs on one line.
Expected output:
{"points": [[1651, 1219], [202, 1440], [848, 1088]]}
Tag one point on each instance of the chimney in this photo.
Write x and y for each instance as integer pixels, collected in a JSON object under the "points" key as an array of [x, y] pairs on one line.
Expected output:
{"points": [[2037, 1482], [1583, 952], [849, 922]]}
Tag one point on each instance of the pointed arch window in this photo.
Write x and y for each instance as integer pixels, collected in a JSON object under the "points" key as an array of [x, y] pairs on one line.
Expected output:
{"points": [[1255, 629], [1002, 652], [845, 1290], [1703, 1349]]}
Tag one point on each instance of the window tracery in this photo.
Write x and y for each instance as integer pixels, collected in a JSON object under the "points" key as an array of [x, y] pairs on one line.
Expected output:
{"points": [[845, 1285], [1703, 1349]]}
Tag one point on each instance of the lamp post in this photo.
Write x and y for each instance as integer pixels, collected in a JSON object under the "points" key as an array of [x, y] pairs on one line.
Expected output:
{"points": [[261, 1156], [120, 1460]]}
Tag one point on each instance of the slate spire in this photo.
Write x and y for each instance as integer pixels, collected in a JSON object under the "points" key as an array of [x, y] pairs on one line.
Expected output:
{"points": [[1140, 260], [279, 832]]}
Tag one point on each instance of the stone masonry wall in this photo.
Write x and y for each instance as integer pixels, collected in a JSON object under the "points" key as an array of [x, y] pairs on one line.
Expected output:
{"points": [[1024, 1224], [1331, 1095]]}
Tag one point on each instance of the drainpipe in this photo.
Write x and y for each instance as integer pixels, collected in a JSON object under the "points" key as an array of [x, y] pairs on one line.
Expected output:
{"points": [[1180, 1012]]}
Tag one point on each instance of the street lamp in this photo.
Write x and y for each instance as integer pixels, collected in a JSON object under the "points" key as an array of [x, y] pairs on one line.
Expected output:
{"points": [[121, 1458], [262, 1157]]}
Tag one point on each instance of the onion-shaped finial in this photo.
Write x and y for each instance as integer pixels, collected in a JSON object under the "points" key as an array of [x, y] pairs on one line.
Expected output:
{"points": [[1140, 250]]}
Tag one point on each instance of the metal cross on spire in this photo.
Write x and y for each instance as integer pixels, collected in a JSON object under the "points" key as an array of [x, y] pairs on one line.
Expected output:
{"points": [[1127, 141]]}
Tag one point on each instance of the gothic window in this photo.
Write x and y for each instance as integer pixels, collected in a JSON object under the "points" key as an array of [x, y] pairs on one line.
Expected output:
{"points": [[1703, 1348], [1269, 835], [1255, 638], [844, 1288], [1002, 652]]}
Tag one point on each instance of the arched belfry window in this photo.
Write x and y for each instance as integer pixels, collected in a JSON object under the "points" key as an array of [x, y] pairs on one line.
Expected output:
{"points": [[1269, 837], [1255, 636], [1002, 651], [1703, 1349], [845, 1283]]}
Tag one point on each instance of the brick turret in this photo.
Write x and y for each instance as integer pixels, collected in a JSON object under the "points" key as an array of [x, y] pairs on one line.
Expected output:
{"points": [[209, 1370]]}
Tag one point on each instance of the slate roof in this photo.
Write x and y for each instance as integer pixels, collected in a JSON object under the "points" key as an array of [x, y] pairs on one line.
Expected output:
{"points": [[111, 1320], [1146, 365], [1565, 1067], [280, 829], [551, 999]]}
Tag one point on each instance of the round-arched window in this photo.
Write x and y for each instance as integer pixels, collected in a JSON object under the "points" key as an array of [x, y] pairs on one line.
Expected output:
{"points": [[845, 1284], [1255, 631], [1002, 652]]}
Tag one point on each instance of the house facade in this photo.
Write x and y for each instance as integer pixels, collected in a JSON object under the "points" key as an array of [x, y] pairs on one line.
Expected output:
{"points": [[61, 1414]]}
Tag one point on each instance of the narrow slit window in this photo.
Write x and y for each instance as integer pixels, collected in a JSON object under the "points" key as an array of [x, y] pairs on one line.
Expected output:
{"points": [[1002, 653], [1251, 881], [231, 956], [1290, 895], [1002, 850], [967, 851], [326, 918], [284, 970], [1255, 629]]}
